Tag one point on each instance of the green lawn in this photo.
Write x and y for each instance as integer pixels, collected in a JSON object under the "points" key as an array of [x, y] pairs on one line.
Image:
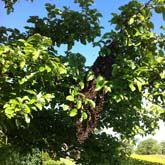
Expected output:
{"points": [[150, 158]]}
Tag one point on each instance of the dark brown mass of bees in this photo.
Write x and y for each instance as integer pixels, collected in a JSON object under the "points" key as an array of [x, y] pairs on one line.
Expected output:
{"points": [[101, 67]]}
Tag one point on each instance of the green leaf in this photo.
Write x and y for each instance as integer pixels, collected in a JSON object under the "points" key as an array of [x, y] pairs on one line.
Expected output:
{"points": [[48, 97], [33, 100], [22, 81], [81, 85], [30, 76], [13, 101], [84, 115], [117, 98], [100, 80], [9, 112], [31, 92], [79, 104], [62, 70], [162, 27], [40, 98], [92, 103], [65, 107], [36, 54], [139, 85], [48, 69], [160, 59], [131, 21], [70, 98], [115, 69], [74, 91], [41, 69], [35, 37], [107, 89], [27, 119], [98, 88], [39, 106], [90, 76], [73, 112], [27, 109], [162, 74], [132, 87], [22, 64], [34, 108]]}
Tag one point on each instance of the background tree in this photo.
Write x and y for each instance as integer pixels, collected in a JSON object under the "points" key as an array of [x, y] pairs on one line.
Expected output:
{"points": [[162, 146], [55, 103], [148, 147]]}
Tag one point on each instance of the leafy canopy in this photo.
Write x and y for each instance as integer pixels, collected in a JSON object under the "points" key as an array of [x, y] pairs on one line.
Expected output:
{"points": [[148, 147], [162, 146], [48, 99]]}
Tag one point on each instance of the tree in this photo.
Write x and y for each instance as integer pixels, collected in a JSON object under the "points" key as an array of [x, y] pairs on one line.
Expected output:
{"points": [[162, 146], [55, 103], [148, 147]]}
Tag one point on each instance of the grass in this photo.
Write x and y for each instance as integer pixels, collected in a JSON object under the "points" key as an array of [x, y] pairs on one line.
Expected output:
{"points": [[150, 158]]}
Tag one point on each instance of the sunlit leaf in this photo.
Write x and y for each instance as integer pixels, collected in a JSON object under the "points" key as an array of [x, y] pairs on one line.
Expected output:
{"points": [[98, 88], [91, 103], [139, 85], [22, 64], [107, 89], [132, 87], [47, 68], [42, 69], [39, 106], [84, 115], [131, 21], [65, 107], [79, 104], [70, 98], [81, 85], [27, 118], [90, 76], [162, 74], [73, 112], [31, 92]]}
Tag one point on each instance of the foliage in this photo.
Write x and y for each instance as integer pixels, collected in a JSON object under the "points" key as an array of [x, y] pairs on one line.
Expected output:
{"points": [[148, 147], [55, 103], [10, 155], [23, 67], [162, 146], [9, 5], [113, 150]]}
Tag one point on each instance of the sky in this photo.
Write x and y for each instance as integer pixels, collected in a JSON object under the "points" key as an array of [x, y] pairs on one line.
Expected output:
{"points": [[24, 9]]}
